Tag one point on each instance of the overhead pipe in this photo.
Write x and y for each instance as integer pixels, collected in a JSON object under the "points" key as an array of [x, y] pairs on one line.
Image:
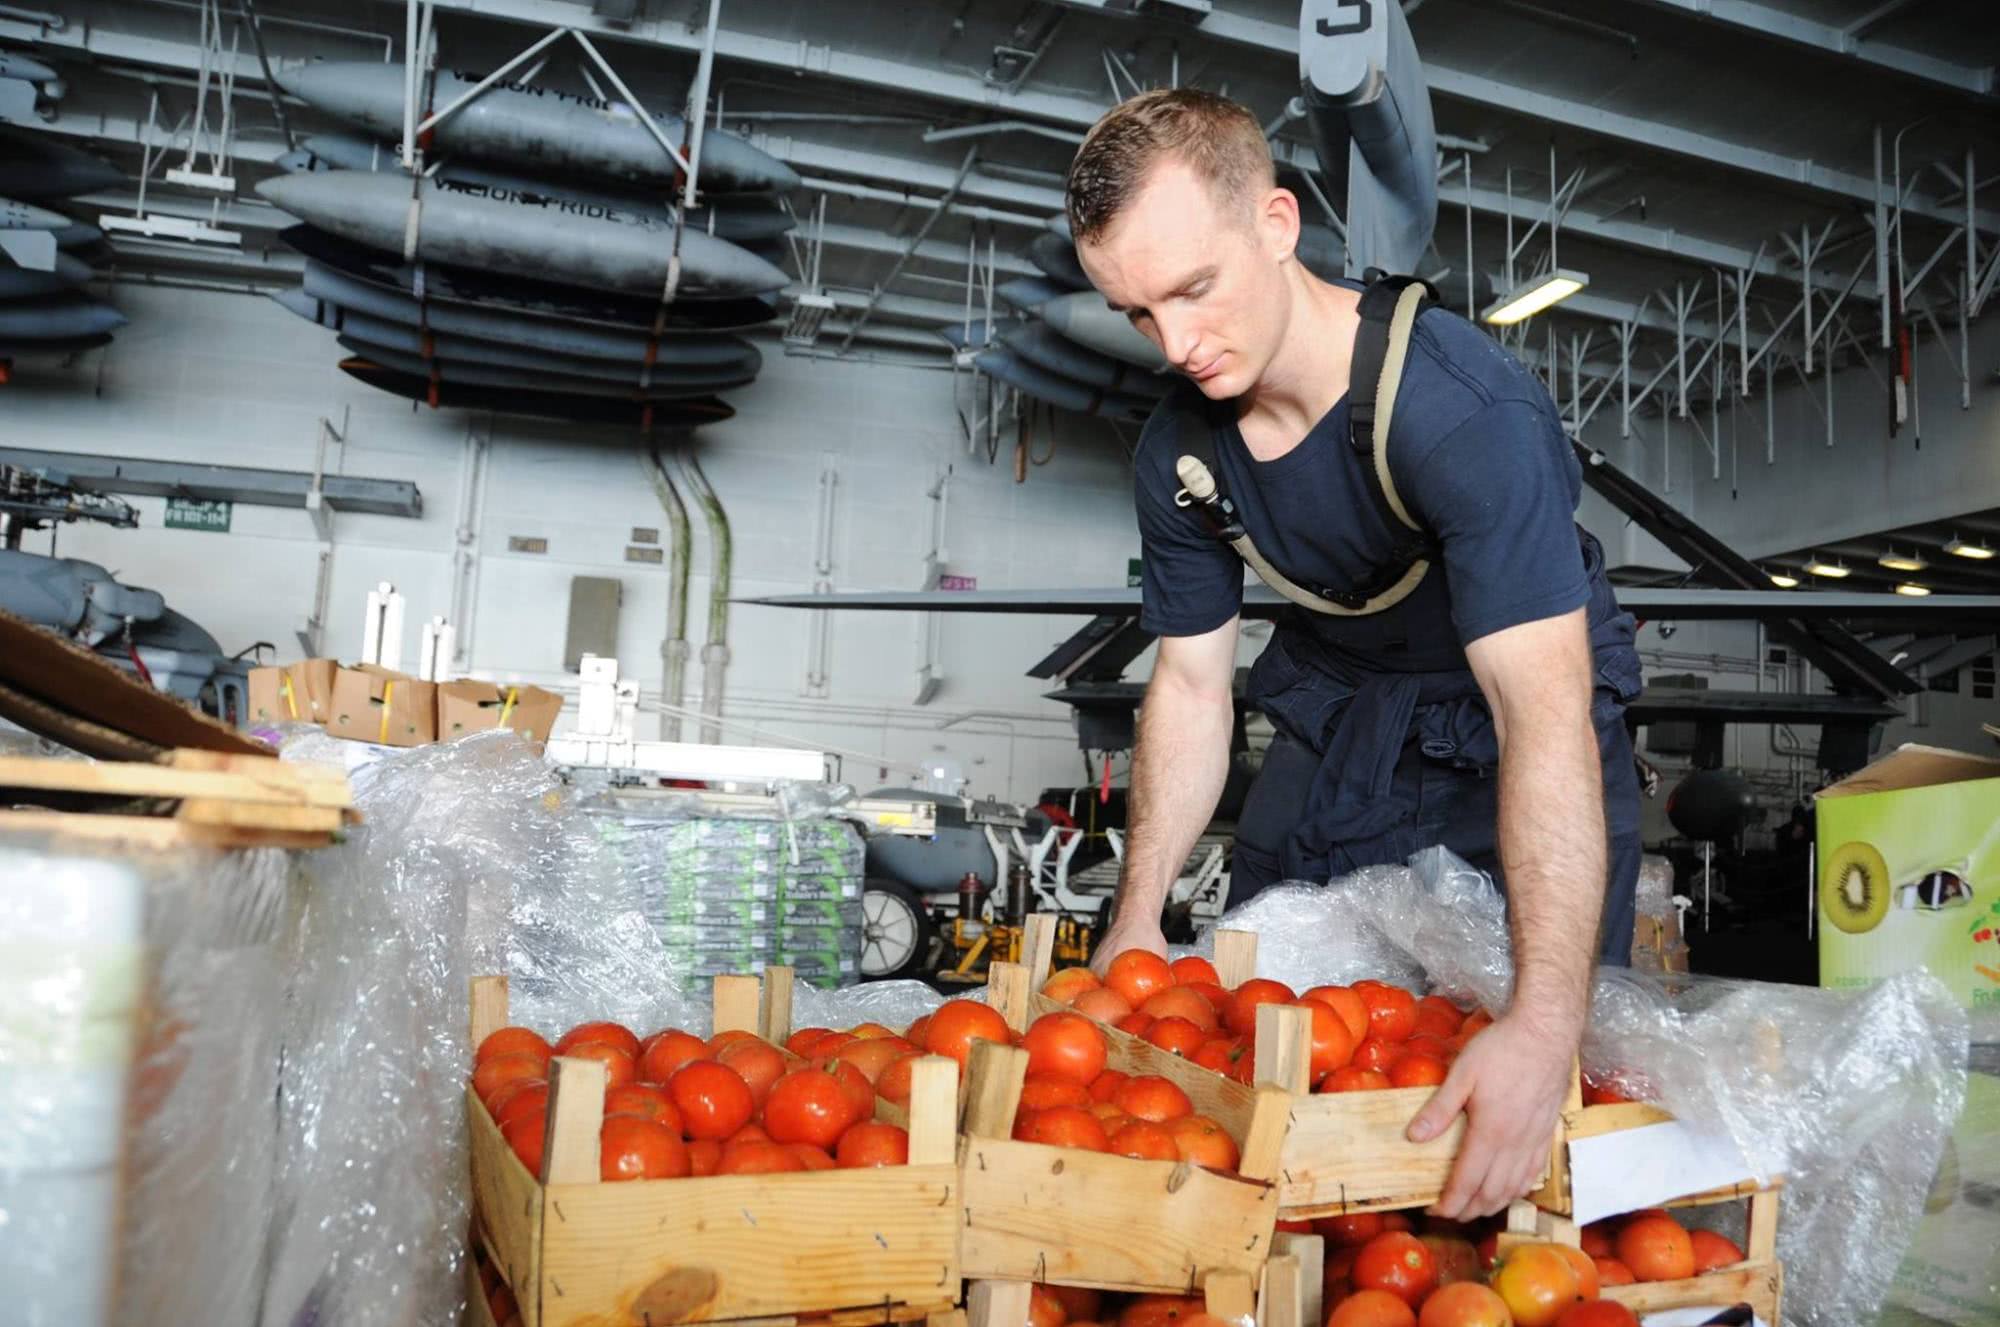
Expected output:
{"points": [[971, 211], [1001, 127], [715, 653], [674, 649]]}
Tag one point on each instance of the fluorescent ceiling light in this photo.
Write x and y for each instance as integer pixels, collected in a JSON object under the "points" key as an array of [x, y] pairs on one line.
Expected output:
{"points": [[1537, 295], [1913, 590], [1895, 561], [1831, 570], [1784, 580], [1978, 552]]}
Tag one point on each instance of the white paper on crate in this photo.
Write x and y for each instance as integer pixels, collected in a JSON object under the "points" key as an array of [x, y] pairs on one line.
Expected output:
{"points": [[1644, 1167]]}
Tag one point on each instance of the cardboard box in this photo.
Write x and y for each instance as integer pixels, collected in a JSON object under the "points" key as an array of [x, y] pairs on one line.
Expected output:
{"points": [[1909, 874], [374, 704], [295, 693], [473, 707]]}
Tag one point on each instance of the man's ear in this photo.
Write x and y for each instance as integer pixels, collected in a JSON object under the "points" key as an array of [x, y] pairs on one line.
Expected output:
{"points": [[1278, 222]]}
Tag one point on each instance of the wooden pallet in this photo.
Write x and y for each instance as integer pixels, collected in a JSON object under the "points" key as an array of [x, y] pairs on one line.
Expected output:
{"points": [[845, 1247], [1069, 1217], [1759, 1280], [194, 798], [1342, 1152]]}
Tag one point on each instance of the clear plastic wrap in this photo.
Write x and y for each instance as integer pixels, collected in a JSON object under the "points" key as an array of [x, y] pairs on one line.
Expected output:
{"points": [[138, 1060], [472, 860], [1849, 1095]]}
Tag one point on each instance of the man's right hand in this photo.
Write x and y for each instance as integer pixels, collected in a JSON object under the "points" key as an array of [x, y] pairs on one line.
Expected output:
{"points": [[1129, 933]]}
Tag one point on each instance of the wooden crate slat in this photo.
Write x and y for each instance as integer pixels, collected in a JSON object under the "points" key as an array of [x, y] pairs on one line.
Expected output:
{"points": [[1038, 1213], [509, 1204], [1229, 1295], [1310, 1253], [733, 1246], [248, 779], [153, 833], [1759, 1285]]}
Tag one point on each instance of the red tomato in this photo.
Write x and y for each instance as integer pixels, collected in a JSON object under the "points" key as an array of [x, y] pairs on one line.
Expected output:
{"points": [[1105, 1085], [1066, 1045], [872, 1143], [1416, 1070], [1177, 1036], [1392, 1012], [1191, 969], [959, 1023], [713, 1099], [524, 1134], [1332, 1043], [1147, 1140], [757, 1158], [1398, 1262], [1045, 1091], [499, 1071], [809, 1106], [668, 1051], [757, 1062], [854, 1084], [609, 1034], [1064, 1126], [509, 1039], [1151, 1097], [631, 1147], [1240, 1014], [644, 1100], [1353, 1078], [810, 1157], [619, 1068]]}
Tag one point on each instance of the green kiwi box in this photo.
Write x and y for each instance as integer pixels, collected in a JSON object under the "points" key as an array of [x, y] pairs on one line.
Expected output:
{"points": [[1909, 875]]}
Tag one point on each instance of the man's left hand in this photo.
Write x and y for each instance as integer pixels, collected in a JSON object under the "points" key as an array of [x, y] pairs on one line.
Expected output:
{"points": [[1510, 1081]]}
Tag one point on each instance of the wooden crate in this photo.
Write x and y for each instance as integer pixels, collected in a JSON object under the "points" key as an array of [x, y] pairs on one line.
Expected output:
{"points": [[194, 798], [1069, 1217], [850, 1247], [1342, 1152], [1759, 1280]]}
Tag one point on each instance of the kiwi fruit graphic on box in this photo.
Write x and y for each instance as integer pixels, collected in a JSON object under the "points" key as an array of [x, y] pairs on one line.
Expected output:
{"points": [[1909, 873]]}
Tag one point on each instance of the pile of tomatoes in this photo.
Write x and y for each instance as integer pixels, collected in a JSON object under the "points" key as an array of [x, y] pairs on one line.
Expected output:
{"points": [[1366, 1036], [1070, 1099], [733, 1104], [1380, 1273]]}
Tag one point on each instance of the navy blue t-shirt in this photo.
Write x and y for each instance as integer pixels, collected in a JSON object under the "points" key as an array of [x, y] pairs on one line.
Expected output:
{"points": [[1479, 457]]}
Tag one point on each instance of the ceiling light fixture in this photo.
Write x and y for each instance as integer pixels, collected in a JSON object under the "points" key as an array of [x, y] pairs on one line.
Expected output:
{"points": [[1912, 590], [1833, 571], [1531, 299], [1978, 552], [1784, 580], [1895, 561]]}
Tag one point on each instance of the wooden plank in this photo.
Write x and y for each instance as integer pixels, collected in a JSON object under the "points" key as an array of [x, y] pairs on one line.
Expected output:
{"points": [[993, 1089], [1309, 1251], [570, 1148], [1070, 1217], [478, 1313], [152, 833], [947, 1318], [1235, 957], [261, 815], [1038, 948], [1008, 989], [1284, 1048], [1260, 1153], [1591, 1121], [735, 1246], [509, 1207], [991, 1303], [1761, 1238], [259, 779], [739, 1004], [1281, 1302], [933, 1112], [1728, 1193], [489, 1007], [1230, 1295], [1348, 1151], [774, 1020], [1758, 1284]]}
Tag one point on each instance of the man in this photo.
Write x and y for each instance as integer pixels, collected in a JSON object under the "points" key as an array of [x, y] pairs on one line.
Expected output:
{"points": [[1464, 679]]}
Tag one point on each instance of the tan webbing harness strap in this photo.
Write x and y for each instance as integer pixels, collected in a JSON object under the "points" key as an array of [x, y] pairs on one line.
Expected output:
{"points": [[1408, 304]]}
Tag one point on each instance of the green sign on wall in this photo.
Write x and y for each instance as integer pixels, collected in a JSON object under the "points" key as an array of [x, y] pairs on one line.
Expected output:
{"points": [[189, 514]]}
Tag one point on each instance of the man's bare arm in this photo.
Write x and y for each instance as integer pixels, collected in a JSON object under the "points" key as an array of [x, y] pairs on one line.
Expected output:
{"points": [[1511, 1079], [1180, 760]]}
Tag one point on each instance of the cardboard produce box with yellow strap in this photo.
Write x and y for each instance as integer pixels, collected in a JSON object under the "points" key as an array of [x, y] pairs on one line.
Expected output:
{"points": [[375, 704], [468, 706]]}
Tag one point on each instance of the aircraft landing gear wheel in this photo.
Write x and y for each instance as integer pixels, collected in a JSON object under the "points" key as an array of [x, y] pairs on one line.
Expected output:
{"points": [[896, 931]]}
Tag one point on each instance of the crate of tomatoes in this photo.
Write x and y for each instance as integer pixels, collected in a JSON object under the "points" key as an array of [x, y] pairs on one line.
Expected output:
{"points": [[1354, 1063], [683, 1179], [1077, 1173]]}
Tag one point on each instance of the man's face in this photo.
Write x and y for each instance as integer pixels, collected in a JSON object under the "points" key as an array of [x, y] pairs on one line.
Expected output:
{"points": [[1201, 280]]}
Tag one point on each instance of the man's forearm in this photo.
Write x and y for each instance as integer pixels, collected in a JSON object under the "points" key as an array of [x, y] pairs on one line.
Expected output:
{"points": [[1553, 850], [1180, 761]]}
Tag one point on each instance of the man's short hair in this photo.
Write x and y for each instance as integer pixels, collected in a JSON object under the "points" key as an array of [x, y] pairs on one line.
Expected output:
{"points": [[1215, 137]]}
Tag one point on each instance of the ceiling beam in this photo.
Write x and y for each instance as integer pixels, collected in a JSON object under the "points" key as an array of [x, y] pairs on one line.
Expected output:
{"points": [[1515, 99], [1848, 42], [807, 155]]}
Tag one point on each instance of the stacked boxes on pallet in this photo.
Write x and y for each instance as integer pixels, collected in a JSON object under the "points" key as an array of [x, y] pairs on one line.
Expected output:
{"points": [[733, 895]]}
